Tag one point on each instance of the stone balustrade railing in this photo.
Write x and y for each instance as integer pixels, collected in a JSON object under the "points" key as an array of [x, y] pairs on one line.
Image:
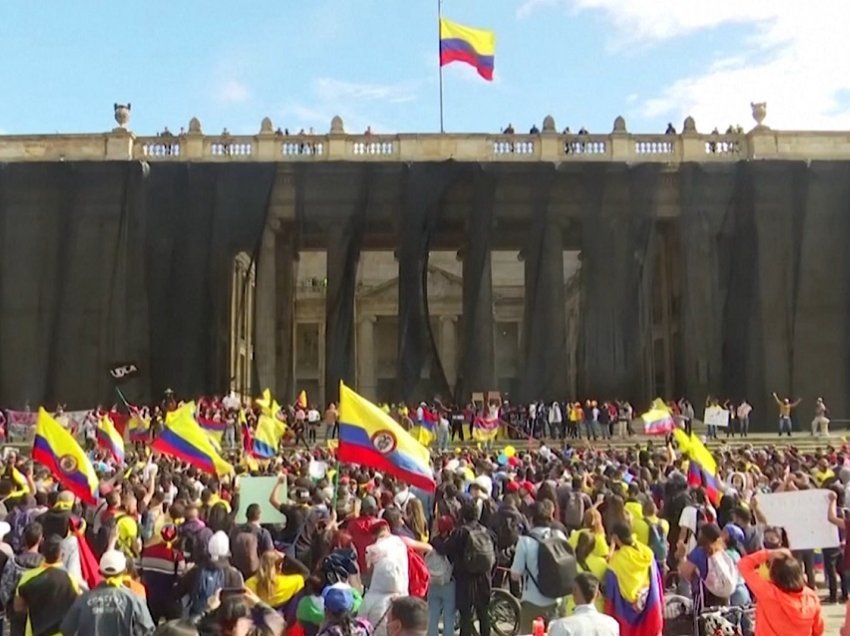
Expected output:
{"points": [[760, 143]]}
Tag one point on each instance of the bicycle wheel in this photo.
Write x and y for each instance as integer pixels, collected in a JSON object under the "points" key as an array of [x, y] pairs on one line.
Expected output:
{"points": [[504, 613]]}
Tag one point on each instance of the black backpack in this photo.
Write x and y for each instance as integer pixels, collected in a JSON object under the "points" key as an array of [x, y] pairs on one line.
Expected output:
{"points": [[479, 555], [556, 566]]}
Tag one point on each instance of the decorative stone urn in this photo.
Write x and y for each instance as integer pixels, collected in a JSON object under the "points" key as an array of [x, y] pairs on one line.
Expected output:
{"points": [[759, 112], [122, 114]]}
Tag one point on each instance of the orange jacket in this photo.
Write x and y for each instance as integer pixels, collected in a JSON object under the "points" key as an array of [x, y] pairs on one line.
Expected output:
{"points": [[779, 613]]}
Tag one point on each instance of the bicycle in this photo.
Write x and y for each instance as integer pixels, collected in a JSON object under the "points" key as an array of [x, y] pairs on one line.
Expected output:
{"points": [[504, 609]]}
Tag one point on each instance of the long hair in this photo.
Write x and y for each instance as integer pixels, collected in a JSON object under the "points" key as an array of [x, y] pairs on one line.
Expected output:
{"points": [[416, 518], [584, 548], [267, 574]]}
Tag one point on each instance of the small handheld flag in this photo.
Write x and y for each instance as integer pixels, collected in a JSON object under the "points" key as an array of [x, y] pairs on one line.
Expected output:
{"points": [[108, 438]]}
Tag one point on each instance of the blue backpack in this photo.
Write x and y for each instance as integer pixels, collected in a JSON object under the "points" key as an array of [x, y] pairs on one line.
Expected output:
{"points": [[209, 582]]}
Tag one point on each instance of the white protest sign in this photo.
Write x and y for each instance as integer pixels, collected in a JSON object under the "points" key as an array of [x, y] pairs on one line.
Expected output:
{"points": [[257, 490], [803, 514], [317, 470], [716, 416]]}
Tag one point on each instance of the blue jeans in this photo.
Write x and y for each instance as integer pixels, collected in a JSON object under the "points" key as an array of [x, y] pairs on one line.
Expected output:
{"points": [[229, 437], [785, 425], [441, 603]]}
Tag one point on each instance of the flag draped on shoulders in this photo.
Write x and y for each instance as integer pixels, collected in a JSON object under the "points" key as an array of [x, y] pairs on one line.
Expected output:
{"points": [[658, 420], [476, 47], [370, 437], [109, 438], [56, 449], [183, 438], [633, 591]]}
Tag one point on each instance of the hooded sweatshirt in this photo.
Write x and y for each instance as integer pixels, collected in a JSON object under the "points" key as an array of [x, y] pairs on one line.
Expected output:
{"points": [[778, 612]]}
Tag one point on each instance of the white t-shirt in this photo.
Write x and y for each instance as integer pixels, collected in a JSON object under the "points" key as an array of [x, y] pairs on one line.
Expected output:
{"points": [[388, 559], [688, 519], [313, 416]]}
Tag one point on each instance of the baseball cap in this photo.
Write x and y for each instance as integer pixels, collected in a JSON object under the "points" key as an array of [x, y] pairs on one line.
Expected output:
{"points": [[219, 545], [113, 562], [338, 598]]}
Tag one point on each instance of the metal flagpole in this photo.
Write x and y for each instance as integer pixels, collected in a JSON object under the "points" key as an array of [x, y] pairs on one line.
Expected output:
{"points": [[440, 17]]}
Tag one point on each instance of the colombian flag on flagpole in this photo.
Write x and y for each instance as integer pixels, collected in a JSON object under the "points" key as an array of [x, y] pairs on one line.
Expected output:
{"points": [[55, 448], [184, 439], [476, 47], [370, 437], [301, 401], [108, 438]]}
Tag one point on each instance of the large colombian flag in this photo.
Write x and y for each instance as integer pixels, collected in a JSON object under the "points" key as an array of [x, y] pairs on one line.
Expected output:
{"points": [[184, 439], [55, 448], [476, 47], [370, 437]]}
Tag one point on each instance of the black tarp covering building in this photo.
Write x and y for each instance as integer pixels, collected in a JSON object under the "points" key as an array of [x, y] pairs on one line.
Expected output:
{"points": [[105, 261]]}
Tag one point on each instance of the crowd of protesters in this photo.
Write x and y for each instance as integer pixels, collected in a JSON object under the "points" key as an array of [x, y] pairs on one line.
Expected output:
{"points": [[363, 554]]}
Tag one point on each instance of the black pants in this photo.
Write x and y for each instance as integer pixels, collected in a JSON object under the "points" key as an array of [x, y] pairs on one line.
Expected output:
{"points": [[807, 558], [832, 565], [311, 433], [469, 602], [457, 430]]}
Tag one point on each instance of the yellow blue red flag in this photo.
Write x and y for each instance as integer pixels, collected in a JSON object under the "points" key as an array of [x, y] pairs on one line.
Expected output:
{"points": [[476, 47], [109, 438], [370, 437], [658, 420], [184, 439], [267, 436], [55, 448]]}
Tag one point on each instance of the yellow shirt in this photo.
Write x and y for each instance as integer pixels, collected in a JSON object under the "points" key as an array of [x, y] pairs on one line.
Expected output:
{"points": [[821, 477], [128, 532], [641, 528], [600, 549], [285, 587]]}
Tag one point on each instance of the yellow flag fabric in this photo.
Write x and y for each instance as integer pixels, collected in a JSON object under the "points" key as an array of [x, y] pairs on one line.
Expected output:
{"points": [[55, 448], [184, 439], [691, 446]]}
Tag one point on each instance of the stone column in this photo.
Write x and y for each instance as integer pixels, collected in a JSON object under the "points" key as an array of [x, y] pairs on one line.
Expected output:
{"points": [[544, 343], [448, 348], [366, 371], [323, 388], [266, 334], [286, 261], [338, 353]]}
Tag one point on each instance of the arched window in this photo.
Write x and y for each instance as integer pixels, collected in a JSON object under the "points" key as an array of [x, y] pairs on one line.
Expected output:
{"points": [[242, 324]]}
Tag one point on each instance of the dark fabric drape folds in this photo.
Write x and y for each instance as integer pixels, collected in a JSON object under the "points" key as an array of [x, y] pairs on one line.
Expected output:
{"points": [[617, 266], [344, 243], [69, 280], [545, 351], [425, 186], [199, 217], [709, 196], [478, 364], [765, 293]]}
